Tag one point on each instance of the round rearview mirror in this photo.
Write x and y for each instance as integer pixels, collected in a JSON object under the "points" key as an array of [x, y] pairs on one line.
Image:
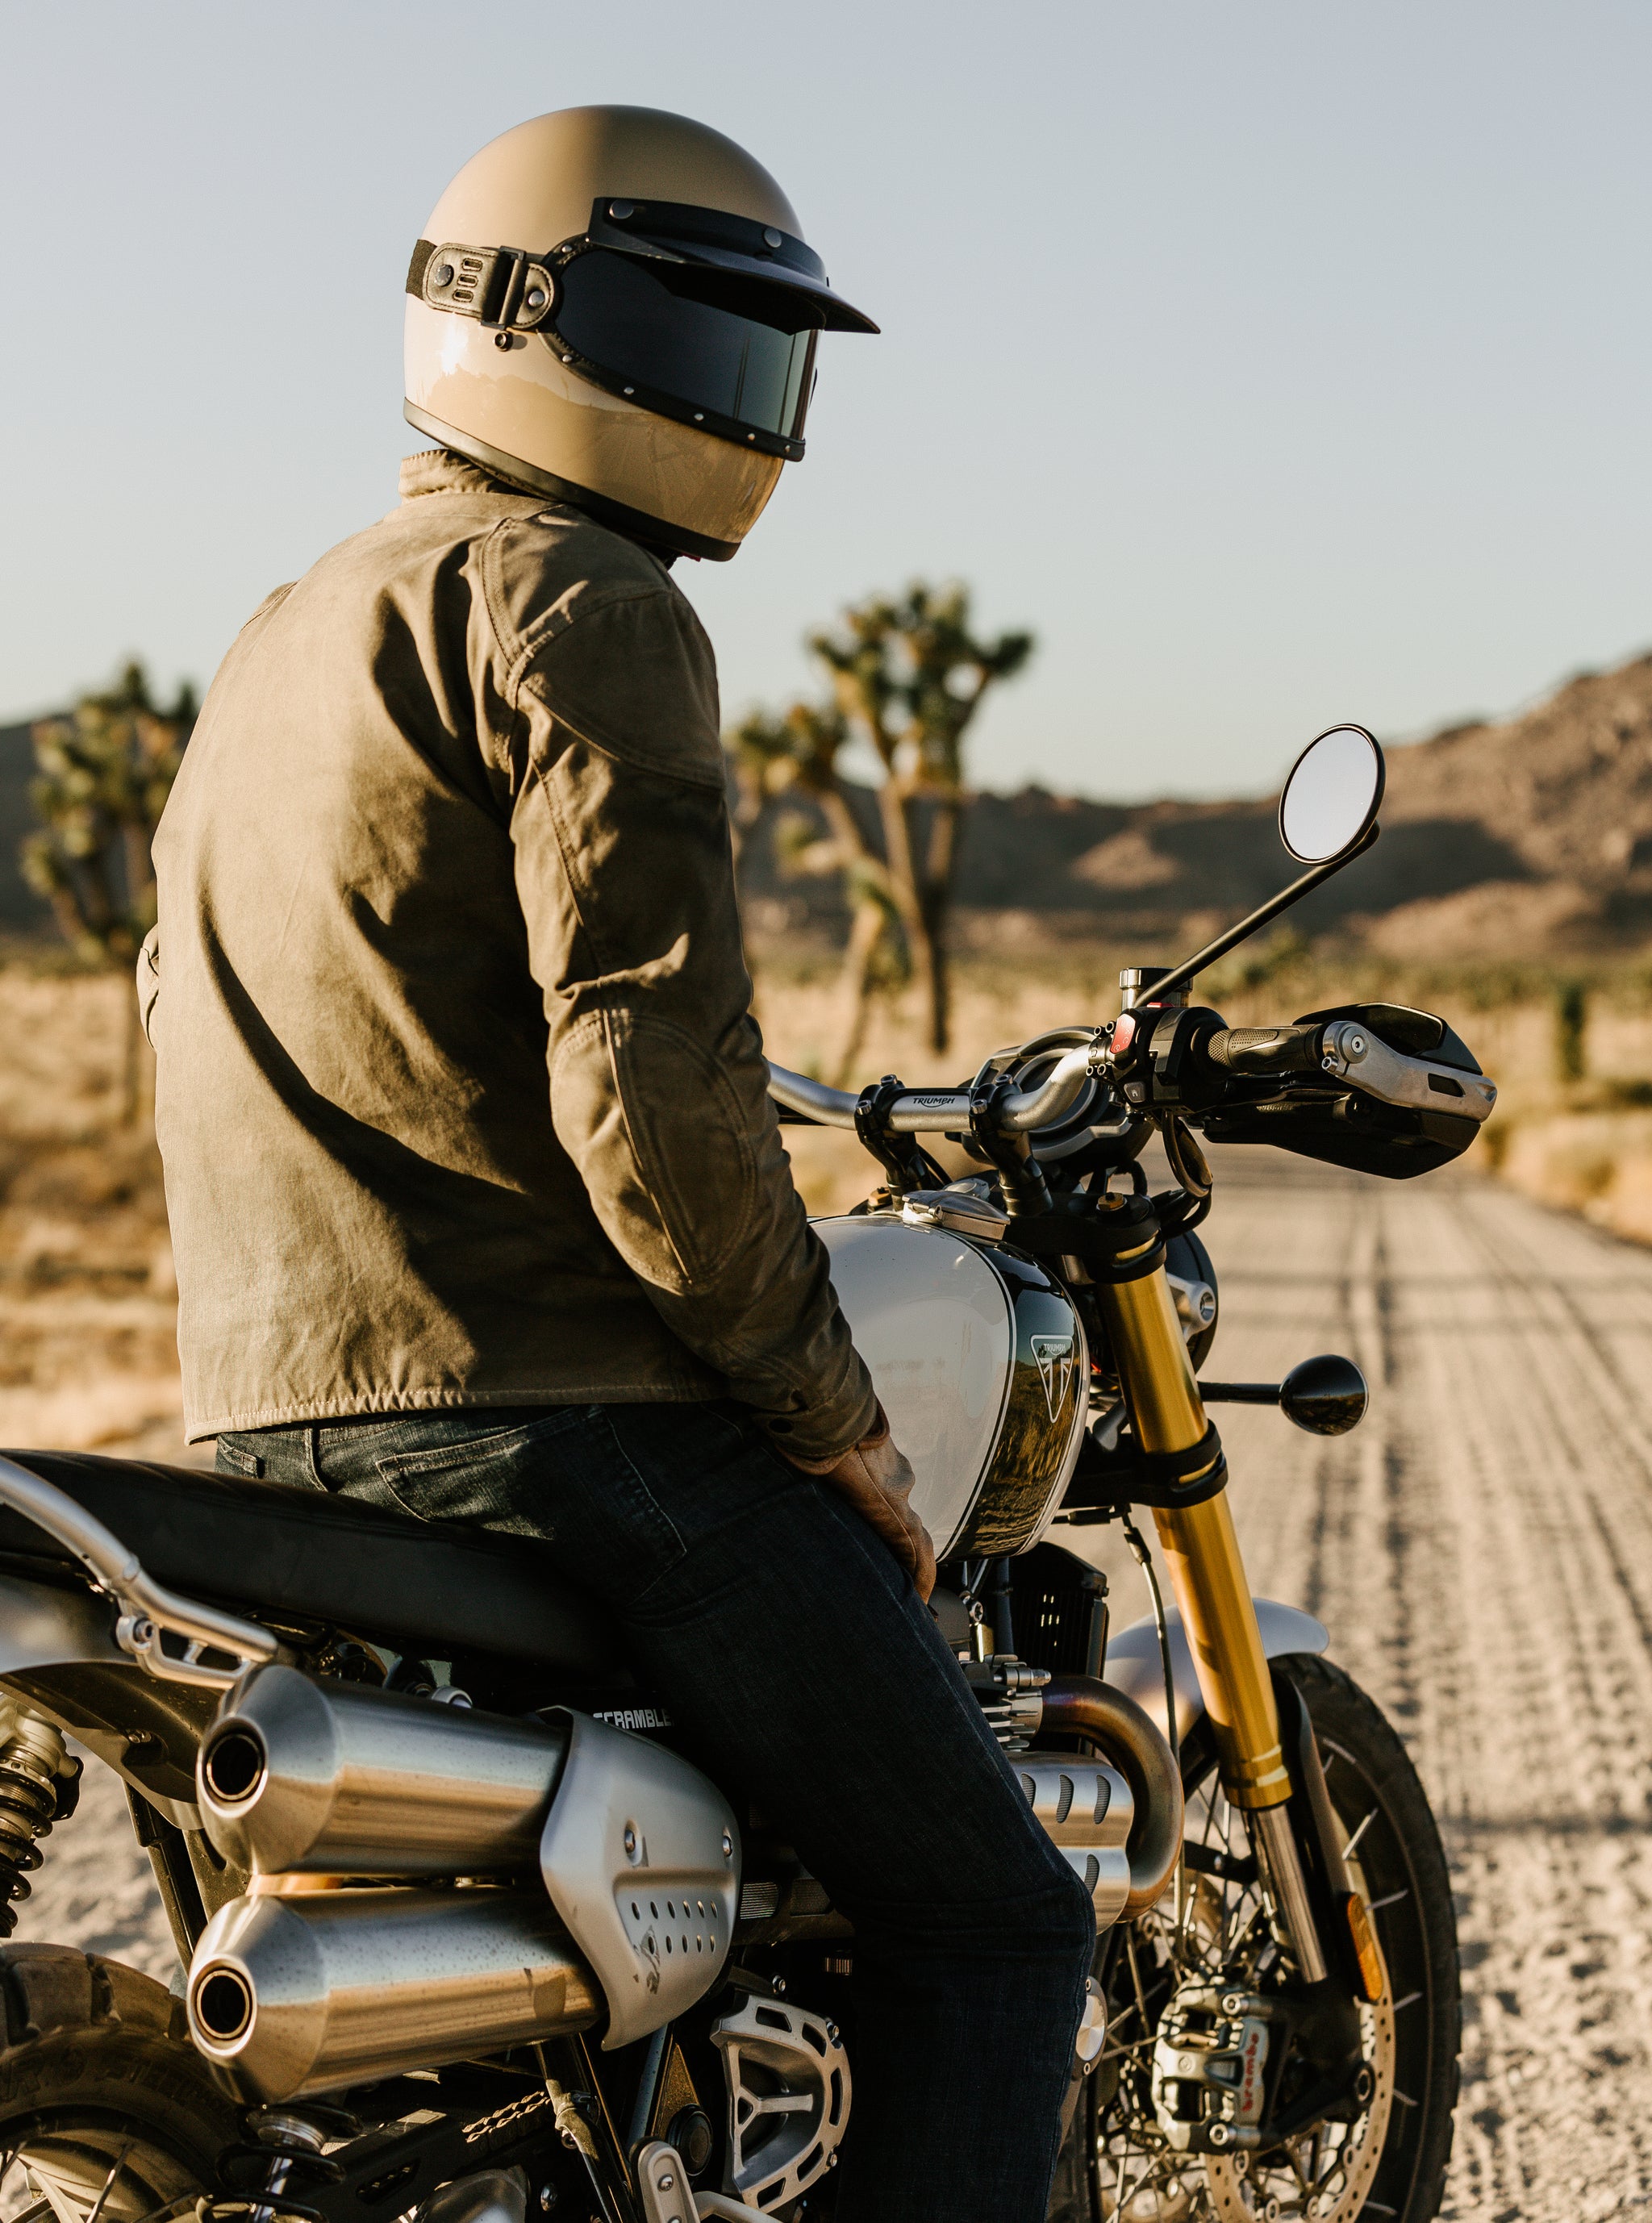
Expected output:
{"points": [[1332, 796]]}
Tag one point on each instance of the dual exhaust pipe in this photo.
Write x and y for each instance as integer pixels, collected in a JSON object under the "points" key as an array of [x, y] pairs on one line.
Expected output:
{"points": [[428, 1883]]}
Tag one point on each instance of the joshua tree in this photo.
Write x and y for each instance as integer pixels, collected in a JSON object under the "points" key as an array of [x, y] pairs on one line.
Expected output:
{"points": [[105, 771], [1571, 1029], [798, 753], [908, 675]]}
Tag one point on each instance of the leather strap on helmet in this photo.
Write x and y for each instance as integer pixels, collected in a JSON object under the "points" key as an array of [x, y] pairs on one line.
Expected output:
{"points": [[503, 286]]}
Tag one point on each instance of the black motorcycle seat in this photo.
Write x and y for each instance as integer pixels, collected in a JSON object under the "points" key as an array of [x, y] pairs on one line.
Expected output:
{"points": [[434, 1589]]}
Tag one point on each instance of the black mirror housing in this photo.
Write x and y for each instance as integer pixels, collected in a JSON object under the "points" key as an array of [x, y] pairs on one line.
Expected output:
{"points": [[1326, 1395]]}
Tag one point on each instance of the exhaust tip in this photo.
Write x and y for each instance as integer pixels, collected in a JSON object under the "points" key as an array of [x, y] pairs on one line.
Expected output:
{"points": [[234, 1764], [222, 2003]]}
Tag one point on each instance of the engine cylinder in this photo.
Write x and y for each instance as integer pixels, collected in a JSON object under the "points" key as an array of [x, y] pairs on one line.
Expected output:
{"points": [[299, 1777], [310, 1992]]}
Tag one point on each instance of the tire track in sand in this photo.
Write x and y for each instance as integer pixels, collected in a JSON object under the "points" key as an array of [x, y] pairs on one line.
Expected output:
{"points": [[1481, 1550]]}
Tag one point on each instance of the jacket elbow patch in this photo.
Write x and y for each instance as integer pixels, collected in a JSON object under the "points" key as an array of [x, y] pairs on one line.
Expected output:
{"points": [[655, 1126]]}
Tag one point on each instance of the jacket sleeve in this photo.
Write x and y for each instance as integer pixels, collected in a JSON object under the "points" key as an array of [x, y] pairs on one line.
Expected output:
{"points": [[659, 1090]]}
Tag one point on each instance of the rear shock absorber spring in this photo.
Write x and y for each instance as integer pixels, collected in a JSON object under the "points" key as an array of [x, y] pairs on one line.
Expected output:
{"points": [[39, 1784], [280, 2157]]}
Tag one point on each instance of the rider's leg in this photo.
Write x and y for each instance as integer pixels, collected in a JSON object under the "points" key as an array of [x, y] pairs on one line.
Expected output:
{"points": [[794, 1653]]}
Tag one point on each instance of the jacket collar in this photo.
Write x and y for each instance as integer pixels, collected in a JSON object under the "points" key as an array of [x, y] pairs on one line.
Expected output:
{"points": [[436, 470]]}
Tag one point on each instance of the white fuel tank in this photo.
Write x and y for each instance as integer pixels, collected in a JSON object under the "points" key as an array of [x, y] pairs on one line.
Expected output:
{"points": [[980, 1362]]}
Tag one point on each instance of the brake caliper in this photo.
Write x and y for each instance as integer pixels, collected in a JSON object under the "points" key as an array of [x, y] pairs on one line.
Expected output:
{"points": [[1208, 2063]]}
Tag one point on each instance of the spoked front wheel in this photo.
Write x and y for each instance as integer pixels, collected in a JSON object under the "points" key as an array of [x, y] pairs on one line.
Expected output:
{"points": [[1123, 2163]]}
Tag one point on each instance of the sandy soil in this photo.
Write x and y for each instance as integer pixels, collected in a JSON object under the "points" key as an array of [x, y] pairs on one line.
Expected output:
{"points": [[88, 1352], [1481, 1550]]}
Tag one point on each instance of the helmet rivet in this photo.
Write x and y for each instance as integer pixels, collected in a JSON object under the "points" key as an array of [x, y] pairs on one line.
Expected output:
{"points": [[445, 275], [771, 238], [536, 297], [630, 390], [699, 416], [620, 209]]}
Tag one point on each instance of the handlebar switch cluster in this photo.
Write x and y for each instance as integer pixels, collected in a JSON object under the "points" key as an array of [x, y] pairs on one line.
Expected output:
{"points": [[1158, 1055]]}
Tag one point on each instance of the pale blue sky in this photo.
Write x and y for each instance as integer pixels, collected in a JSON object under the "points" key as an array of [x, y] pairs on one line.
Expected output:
{"points": [[1280, 362]]}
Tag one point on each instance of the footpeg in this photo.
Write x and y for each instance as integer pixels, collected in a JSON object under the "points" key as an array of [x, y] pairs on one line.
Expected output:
{"points": [[668, 2197]]}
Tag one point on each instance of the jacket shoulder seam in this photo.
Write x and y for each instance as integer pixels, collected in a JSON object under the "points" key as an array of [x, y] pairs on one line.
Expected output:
{"points": [[520, 647]]}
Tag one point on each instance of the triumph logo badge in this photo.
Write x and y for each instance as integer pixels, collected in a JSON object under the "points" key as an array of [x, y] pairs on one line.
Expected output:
{"points": [[1054, 1354]]}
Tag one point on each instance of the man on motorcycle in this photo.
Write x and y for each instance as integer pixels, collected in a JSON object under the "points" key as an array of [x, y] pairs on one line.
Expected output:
{"points": [[479, 1203]]}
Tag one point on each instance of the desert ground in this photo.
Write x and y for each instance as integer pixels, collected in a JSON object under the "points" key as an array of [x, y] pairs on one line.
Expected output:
{"points": [[1481, 1548]]}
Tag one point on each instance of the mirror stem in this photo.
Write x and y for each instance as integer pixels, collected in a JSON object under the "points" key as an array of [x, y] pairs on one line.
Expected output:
{"points": [[1181, 974]]}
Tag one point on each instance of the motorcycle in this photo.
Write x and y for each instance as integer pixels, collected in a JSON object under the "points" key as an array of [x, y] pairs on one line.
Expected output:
{"points": [[463, 1937]]}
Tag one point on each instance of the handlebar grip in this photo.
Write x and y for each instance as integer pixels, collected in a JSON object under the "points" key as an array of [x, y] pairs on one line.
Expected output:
{"points": [[1264, 1051]]}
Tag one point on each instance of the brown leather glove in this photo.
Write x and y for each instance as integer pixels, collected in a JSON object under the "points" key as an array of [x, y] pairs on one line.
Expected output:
{"points": [[878, 1482]]}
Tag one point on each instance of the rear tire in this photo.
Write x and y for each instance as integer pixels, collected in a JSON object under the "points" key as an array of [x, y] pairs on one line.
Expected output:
{"points": [[101, 2092], [1403, 1868]]}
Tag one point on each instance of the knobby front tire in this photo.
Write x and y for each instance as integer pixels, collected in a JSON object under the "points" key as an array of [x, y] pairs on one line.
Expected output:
{"points": [[1115, 2166]]}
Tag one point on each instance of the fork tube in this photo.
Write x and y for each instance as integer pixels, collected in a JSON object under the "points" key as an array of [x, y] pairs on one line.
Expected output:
{"points": [[1200, 1548]]}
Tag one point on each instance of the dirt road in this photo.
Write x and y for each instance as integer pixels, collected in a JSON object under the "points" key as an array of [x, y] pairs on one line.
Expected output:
{"points": [[1482, 1552]]}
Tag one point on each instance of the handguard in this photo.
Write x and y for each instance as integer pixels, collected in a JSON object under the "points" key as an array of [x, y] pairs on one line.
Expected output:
{"points": [[1378, 1087]]}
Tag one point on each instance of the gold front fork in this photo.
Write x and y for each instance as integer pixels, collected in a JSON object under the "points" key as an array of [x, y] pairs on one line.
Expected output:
{"points": [[1199, 1547]]}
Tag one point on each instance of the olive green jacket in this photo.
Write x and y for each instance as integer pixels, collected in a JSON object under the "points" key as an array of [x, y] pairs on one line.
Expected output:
{"points": [[459, 1092]]}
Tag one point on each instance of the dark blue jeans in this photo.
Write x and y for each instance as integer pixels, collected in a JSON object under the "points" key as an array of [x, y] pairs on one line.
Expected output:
{"points": [[811, 1681]]}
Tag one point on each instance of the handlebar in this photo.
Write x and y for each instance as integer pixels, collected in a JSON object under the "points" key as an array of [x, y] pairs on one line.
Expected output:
{"points": [[1340, 1050], [926, 1112]]}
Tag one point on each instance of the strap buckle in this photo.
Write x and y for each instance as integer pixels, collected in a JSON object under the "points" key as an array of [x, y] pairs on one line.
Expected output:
{"points": [[505, 288]]}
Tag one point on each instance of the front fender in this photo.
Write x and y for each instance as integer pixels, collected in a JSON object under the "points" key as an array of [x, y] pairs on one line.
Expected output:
{"points": [[1135, 1666]]}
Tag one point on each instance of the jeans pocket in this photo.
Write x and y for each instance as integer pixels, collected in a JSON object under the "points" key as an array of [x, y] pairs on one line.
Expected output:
{"points": [[235, 1458], [645, 1543], [496, 1479]]}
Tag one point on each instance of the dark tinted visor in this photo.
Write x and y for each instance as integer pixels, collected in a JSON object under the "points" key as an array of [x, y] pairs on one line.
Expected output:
{"points": [[718, 346]]}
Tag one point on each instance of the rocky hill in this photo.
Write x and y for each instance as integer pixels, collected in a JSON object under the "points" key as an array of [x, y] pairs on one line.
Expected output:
{"points": [[1530, 838]]}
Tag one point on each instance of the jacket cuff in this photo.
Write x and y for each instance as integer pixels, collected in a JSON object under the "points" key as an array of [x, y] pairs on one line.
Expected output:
{"points": [[816, 1440]]}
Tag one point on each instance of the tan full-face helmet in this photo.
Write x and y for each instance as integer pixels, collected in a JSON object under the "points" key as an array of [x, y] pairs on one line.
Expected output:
{"points": [[613, 306]]}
